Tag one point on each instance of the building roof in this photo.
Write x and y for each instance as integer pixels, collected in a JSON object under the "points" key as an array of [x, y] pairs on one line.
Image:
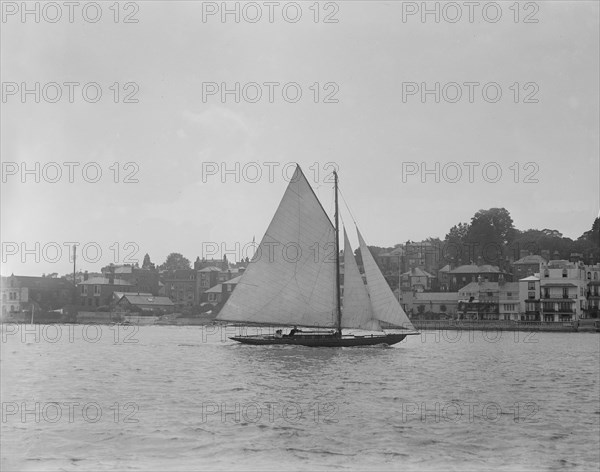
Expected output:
{"points": [[560, 264], [233, 281], [436, 296], [531, 259], [119, 295], [490, 286], [35, 282], [531, 278], [475, 269], [418, 272], [142, 300], [399, 251], [216, 289], [104, 281], [210, 269], [446, 268]]}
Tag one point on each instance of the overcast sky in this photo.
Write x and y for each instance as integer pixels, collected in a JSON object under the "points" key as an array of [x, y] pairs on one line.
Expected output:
{"points": [[377, 137]]}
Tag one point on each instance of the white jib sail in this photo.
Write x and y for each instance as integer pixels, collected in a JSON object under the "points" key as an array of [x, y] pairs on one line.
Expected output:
{"points": [[291, 279], [356, 306], [383, 302]]}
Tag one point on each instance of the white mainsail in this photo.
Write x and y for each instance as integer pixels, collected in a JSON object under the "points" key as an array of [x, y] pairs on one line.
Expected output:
{"points": [[291, 280], [383, 302], [356, 311]]}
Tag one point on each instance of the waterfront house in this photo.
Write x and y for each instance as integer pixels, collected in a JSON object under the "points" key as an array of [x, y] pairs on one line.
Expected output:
{"points": [[14, 296], [98, 291], [527, 265], [220, 293], [563, 287], [416, 279], [465, 274], [48, 292], [529, 295], [180, 286], [483, 300], [430, 305]]}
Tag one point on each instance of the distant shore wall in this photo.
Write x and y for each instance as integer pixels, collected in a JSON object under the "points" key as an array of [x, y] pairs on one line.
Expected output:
{"points": [[566, 326]]}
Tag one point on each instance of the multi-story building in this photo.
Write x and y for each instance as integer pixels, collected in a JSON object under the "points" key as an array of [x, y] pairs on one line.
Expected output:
{"points": [[206, 278], [146, 280], [416, 279], [180, 286], [593, 291], [529, 297], [527, 265], [484, 300], [221, 292], [14, 297], [466, 274], [48, 293], [98, 291], [423, 255], [563, 287]]}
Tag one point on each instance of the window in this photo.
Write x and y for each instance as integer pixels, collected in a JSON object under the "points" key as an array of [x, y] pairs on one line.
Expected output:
{"points": [[530, 285], [531, 295], [564, 273], [546, 293], [565, 292], [546, 273], [595, 275], [84, 289], [212, 297], [12, 296], [96, 289], [509, 294], [228, 287], [589, 276]]}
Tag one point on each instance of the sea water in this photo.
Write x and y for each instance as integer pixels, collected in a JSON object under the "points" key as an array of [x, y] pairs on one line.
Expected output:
{"points": [[85, 397]]}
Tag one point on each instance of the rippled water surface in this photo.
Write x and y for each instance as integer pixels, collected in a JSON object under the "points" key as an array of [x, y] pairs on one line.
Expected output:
{"points": [[180, 398]]}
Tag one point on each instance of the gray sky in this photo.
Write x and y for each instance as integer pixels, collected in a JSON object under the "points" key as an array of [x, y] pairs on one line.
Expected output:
{"points": [[173, 134]]}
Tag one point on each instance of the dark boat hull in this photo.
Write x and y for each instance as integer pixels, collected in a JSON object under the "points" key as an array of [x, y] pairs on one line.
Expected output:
{"points": [[323, 340]]}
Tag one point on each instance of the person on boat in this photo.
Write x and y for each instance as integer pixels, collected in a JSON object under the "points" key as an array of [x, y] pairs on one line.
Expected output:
{"points": [[278, 334], [293, 331]]}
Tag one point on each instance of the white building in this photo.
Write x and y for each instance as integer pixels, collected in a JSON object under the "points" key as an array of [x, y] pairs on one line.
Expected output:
{"points": [[563, 289]]}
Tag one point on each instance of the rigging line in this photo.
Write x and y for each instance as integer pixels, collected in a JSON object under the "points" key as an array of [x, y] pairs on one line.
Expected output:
{"points": [[347, 207]]}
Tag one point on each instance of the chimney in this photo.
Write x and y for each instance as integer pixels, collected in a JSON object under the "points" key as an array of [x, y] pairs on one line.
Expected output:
{"points": [[85, 275]]}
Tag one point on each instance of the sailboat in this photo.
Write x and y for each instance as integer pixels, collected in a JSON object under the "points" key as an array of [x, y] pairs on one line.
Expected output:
{"points": [[294, 280]]}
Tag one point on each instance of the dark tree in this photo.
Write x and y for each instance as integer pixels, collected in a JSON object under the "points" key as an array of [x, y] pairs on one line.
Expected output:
{"points": [[147, 263], [175, 261]]}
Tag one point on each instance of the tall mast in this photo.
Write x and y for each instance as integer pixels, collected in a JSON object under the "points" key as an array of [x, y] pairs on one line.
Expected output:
{"points": [[337, 258]]}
